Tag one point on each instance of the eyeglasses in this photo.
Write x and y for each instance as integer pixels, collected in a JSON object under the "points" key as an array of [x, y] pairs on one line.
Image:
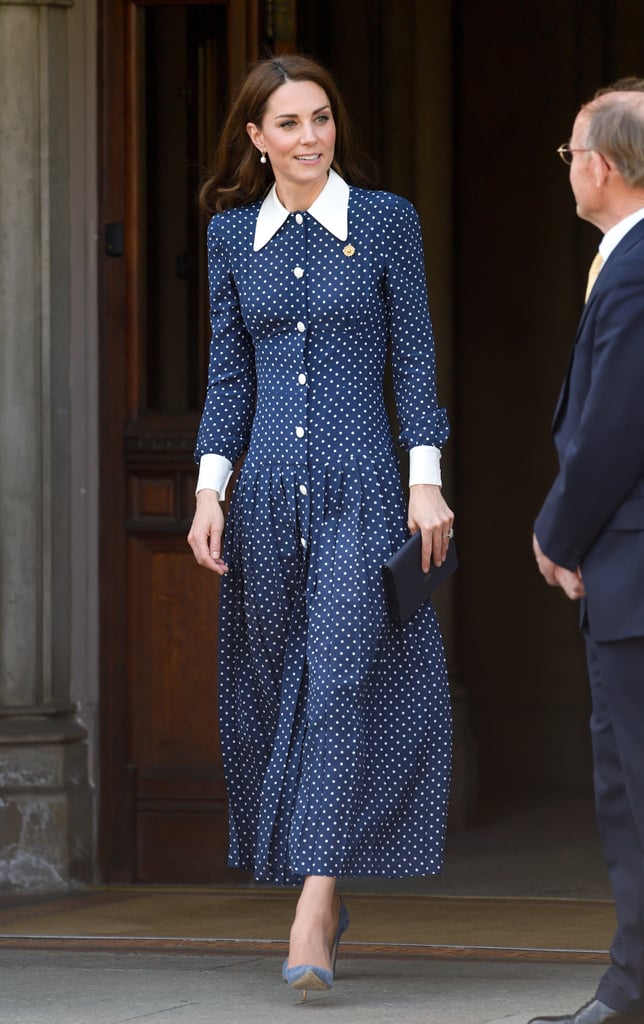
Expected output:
{"points": [[566, 152]]}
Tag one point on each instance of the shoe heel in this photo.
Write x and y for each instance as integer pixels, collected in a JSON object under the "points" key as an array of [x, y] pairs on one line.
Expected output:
{"points": [[343, 924]]}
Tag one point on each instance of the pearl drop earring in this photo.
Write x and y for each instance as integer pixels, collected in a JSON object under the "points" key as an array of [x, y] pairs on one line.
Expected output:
{"points": [[262, 158]]}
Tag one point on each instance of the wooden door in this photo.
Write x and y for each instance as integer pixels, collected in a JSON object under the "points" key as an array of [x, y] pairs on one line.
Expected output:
{"points": [[165, 73]]}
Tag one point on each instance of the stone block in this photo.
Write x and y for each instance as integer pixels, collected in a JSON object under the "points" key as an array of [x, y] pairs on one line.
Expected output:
{"points": [[46, 801], [37, 858]]}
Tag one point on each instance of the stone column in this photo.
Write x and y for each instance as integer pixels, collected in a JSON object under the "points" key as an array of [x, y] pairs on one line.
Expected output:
{"points": [[45, 799]]}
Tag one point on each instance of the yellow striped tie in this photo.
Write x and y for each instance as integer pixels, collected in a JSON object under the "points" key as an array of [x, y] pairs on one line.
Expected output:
{"points": [[595, 267]]}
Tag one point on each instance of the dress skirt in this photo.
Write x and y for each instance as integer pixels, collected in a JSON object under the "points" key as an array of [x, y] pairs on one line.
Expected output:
{"points": [[335, 722]]}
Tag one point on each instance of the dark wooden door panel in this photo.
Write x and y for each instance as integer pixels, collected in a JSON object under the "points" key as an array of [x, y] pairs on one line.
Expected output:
{"points": [[172, 645], [179, 799], [182, 845]]}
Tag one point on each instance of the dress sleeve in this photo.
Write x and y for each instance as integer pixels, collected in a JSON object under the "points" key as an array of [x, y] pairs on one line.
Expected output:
{"points": [[230, 394], [421, 420]]}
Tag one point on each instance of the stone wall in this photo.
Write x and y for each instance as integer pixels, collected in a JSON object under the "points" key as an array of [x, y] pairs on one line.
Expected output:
{"points": [[46, 818]]}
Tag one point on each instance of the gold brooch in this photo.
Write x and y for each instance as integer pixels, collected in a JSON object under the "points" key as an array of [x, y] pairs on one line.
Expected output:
{"points": [[348, 250]]}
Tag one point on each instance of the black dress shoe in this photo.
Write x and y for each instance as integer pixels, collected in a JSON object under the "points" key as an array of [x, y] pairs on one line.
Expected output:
{"points": [[593, 1012]]}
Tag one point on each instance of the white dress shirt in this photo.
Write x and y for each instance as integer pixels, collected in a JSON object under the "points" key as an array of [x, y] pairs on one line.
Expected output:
{"points": [[614, 235]]}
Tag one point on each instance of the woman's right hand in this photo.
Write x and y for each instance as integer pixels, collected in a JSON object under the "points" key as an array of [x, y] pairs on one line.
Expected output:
{"points": [[206, 532]]}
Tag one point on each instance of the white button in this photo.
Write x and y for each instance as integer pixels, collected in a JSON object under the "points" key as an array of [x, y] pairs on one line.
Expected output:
{"points": [[299, 431], [303, 541], [303, 489], [301, 378], [298, 272], [299, 218], [301, 327]]}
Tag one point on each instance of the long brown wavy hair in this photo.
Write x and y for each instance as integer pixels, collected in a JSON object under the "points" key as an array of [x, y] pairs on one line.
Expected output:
{"points": [[237, 176]]}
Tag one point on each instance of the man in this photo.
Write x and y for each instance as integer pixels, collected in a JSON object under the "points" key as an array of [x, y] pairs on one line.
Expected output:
{"points": [[589, 534]]}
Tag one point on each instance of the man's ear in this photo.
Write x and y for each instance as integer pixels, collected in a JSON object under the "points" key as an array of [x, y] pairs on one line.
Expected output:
{"points": [[602, 168]]}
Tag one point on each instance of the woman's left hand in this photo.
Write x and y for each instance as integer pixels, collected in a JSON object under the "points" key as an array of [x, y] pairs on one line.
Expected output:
{"points": [[430, 513]]}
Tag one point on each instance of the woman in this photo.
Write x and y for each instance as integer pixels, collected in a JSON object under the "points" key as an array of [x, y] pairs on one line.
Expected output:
{"points": [[335, 723]]}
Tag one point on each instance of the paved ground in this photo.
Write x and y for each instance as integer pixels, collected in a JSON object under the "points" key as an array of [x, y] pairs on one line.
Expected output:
{"points": [[115, 988]]}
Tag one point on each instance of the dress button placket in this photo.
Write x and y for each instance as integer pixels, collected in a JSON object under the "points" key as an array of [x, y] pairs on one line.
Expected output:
{"points": [[301, 396]]}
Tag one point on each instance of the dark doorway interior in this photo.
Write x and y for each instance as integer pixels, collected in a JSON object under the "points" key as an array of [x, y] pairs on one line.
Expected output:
{"points": [[495, 87]]}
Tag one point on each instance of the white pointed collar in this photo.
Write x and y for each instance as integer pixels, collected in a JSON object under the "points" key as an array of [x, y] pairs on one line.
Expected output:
{"points": [[330, 209]]}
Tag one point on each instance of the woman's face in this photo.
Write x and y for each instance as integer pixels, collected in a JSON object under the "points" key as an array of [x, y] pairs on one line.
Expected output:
{"points": [[298, 135]]}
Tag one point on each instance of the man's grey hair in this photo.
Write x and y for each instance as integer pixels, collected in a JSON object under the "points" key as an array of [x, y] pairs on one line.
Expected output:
{"points": [[616, 130]]}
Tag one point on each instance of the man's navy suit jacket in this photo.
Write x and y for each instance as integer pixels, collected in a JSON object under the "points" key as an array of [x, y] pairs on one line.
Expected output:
{"points": [[593, 516]]}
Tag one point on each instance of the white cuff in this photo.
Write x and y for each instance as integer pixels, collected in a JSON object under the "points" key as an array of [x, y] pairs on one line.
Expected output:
{"points": [[425, 465], [214, 473]]}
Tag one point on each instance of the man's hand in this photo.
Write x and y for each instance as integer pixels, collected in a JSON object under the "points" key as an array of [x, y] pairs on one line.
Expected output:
{"points": [[557, 576], [570, 582]]}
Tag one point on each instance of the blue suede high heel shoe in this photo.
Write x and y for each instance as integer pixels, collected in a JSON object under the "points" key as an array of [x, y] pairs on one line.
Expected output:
{"points": [[305, 977]]}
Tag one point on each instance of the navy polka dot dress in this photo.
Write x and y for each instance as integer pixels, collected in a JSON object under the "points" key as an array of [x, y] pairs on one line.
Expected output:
{"points": [[335, 722]]}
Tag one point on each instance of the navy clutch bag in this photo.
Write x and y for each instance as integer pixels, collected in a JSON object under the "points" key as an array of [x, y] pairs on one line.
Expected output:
{"points": [[406, 585]]}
